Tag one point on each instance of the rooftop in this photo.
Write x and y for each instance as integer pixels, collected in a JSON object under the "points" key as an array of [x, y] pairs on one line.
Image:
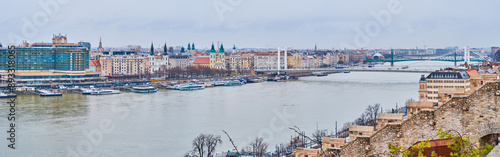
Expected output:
{"points": [[394, 116], [361, 128], [202, 60], [448, 75]]}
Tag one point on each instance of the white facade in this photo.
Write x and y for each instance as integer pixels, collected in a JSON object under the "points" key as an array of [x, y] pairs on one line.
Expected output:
{"points": [[268, 61], [157, 62]]}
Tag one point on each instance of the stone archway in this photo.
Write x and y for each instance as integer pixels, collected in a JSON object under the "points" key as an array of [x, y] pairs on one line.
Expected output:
{"points": [[491, 139], [488, 129], [488, 133]]}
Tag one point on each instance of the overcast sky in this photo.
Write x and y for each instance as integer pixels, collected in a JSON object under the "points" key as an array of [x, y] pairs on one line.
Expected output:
{"points": [[256, 23]]}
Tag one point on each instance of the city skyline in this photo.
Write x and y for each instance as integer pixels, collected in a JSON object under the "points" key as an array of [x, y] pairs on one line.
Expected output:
{"points": [[256, 24]]}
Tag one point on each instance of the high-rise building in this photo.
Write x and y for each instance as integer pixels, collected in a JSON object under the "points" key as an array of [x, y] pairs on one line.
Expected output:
{"points": [[494, 50], [58, 55], [85, 44]]}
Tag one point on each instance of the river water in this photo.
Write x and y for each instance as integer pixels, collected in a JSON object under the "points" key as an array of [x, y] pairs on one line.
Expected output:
{"points": [[166, 122]]}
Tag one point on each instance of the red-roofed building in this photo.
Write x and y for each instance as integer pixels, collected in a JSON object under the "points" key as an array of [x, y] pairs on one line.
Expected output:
{"points": [[202, 61], [95, 66]]}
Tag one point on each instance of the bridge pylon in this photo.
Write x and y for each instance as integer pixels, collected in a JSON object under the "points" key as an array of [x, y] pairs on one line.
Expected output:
{"points": [[392, 58]]}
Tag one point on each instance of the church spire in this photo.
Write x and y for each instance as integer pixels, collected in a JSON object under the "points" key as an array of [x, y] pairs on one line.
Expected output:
{"points": [[100, 45], [221, 50], [189, 46], [212, 50], [192, 47], [100, 42], [165, 48], [152, 50]]}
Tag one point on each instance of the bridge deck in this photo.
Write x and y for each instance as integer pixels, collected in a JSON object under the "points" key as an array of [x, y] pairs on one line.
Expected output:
{"points": [[342, 70]]}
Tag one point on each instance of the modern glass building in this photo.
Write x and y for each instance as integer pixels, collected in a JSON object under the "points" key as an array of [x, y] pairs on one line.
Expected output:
{"points": [[48, 56]]}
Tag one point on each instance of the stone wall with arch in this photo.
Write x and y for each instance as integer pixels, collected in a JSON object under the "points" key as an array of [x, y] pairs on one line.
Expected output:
{"points": [[474, 116]]}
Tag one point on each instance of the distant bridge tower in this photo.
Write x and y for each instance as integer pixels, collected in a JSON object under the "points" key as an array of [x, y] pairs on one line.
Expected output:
{"points": [[392, 57], [279, 67], [285, 61], [455, 56], [467, 54]]}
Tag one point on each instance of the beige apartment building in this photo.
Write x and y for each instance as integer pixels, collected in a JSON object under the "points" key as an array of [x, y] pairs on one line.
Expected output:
{"points": [[235, 61], [125, 65], [440, 86], [294, 61], [106, 66], [130, 65], [247, 61], [181, 61], [446, 81]]}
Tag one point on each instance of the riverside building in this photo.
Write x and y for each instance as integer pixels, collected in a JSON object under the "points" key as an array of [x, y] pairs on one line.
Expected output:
{"points": [[47, 63]]}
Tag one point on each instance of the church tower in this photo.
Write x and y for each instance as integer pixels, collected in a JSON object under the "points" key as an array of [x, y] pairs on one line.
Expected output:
{"points": [[422, 90], [221, 60], [213, 56], [100, 49]]}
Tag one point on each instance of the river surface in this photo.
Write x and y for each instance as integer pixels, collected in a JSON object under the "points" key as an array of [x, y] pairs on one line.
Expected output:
{"points": [[166, 122]]}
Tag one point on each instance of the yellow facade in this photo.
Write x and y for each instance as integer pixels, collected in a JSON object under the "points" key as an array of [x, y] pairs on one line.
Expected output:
{"points": [[294, 61]]}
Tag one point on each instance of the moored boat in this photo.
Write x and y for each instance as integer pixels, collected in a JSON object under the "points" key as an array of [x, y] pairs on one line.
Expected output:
{"points": [[5, 95], [319, 74], [87, 91], [255, 80], [233, 83], [208, 84], [105, 92], [144, 89], [219, 83], [191, 86], [48, 93]]}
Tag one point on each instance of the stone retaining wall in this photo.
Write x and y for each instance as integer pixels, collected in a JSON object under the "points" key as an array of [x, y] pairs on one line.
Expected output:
{"points": [[474, 116]]}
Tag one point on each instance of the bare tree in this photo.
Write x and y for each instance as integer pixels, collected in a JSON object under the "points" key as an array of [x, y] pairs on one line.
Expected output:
{"points": [[373, 111], [202, 142], [318, 136], [211, 142], [199, 144], [259, 147]]}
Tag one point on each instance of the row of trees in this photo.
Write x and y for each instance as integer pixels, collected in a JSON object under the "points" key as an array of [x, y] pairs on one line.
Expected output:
{"points": [[191, 72], [204, 146]]}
